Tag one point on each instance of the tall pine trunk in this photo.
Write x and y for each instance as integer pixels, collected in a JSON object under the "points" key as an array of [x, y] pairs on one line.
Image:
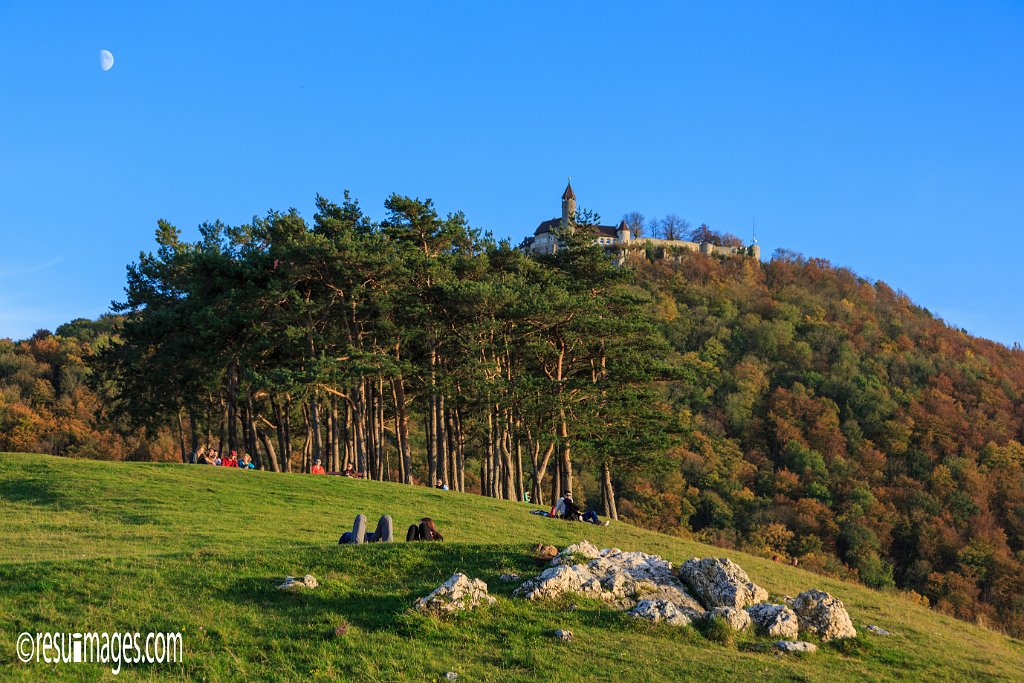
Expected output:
{"points": [[181, 439], [610, 509], [402, 429]]}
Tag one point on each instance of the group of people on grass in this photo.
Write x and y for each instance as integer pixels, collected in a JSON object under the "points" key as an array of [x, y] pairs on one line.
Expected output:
{"points": [[564, 508], [424, 530], [209, 456], [318, 468]]}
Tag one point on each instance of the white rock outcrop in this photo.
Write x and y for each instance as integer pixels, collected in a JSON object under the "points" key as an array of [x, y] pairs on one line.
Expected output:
{"points": [[823, 615], [720, 582], [775, 621], [291, 583], [662, 610], [619, 578], [649, 588], [577, 552], [793, 646], [457, 594], [736, 619]]}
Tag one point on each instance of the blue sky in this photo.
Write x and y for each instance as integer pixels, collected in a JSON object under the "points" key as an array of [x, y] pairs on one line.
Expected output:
{"points": [[886, 137]]}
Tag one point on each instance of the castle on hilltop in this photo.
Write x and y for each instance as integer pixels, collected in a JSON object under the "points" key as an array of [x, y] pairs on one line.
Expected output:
{"points": [[619, 240]]}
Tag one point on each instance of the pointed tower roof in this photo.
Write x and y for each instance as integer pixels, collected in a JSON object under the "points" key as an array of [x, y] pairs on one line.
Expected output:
{"points": [[569, 194]]}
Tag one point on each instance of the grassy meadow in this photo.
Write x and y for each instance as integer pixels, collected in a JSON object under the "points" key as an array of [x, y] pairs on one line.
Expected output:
{"points": [[103, 546]]}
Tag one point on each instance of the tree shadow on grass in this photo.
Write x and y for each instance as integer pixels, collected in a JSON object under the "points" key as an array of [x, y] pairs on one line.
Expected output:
{"points": [[390, 578], [34, 491]]}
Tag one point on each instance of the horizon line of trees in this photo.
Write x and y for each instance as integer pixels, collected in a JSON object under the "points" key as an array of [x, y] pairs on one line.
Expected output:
{"points": [[671, 226]]}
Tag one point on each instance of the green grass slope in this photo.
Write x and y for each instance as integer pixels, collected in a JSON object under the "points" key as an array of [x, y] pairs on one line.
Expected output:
{"points": [[146, 547]]}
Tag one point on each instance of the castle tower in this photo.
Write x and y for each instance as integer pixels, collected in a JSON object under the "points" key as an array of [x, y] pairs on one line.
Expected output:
{"points": [[568, 203], [623, 233]]}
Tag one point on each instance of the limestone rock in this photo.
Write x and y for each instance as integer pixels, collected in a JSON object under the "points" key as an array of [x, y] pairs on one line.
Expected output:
{"points": [[720, 582], [617, 577], [673, 592], [584, 550], [563, 634], [775, 621], [791, 646], [457, 594], [509, 578], [291, 583], [737, 619], [877, 630], [641, 566], [558, 580], [663, 610], [823, 615]]}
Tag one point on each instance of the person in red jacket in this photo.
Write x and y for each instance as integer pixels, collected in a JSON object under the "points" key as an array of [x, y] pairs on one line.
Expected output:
{"points": [[231, 461], [318, 469]]}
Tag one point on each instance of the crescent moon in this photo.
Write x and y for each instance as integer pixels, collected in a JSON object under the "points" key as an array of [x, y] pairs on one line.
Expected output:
{"points": [[106, 60]]}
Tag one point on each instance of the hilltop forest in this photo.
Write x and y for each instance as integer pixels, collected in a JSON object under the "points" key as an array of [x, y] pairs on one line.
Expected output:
{"points": [[789, 408]]}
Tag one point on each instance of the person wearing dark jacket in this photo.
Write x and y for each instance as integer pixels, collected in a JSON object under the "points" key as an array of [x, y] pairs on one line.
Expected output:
{"points": [[426, 530], [566, 508]]}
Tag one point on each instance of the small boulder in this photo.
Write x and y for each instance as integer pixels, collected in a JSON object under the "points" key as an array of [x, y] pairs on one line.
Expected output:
{"points": [[794, 646], [563, 634], [291, 583], [662, 610], [877, 630], [509, 578], [736, 619], [457, 594], [774, 621], [542, 554], [720, 582], [823, 615]]}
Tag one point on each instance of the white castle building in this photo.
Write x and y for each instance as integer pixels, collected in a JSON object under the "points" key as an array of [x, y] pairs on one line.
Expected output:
{"points": [[619, 239]]}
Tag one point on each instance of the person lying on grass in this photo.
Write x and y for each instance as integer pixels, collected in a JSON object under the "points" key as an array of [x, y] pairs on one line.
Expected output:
{"points": [[426, 530], [382, 534]]}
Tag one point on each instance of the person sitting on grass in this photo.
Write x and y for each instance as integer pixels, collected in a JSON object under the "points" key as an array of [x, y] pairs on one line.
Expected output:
{"points": [[231, 461], [441, 485], [217, 460], [347, 472], [426, 530], [382, 534], [566, 508], [317, 468], [246, 463]]}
